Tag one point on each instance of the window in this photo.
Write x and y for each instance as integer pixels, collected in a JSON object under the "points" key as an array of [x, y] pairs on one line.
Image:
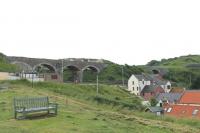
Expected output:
{"points": [[169, 110], [161, 105], [158, 113], [133, 88], [133, 82], [137, 88], [195, 112], [168, 87]]}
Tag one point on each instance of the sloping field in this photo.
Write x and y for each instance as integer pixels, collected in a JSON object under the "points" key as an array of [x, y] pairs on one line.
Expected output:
{"points": [[80, 113]]}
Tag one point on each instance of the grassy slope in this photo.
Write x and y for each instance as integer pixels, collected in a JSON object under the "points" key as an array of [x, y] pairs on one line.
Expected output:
{"points": [[80, 113], [113, 73], [181, 61], [178, 72], [4, 66]]}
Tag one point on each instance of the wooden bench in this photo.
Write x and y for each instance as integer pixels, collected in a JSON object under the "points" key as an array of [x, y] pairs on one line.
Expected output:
{"points": [[27, 105]]}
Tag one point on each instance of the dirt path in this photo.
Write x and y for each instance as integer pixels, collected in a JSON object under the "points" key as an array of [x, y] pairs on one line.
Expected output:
{"points": [[153, 123]]}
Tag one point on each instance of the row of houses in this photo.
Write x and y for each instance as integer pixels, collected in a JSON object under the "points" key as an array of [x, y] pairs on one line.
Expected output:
{"points": [[188, 105], [148, 85], [175, 101], [181, 104]]}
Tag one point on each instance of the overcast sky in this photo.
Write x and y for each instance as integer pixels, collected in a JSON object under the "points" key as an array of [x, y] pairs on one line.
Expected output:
{"points": [[131, 32]]}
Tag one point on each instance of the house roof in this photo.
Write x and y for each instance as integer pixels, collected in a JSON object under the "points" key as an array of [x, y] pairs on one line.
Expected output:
{"points": [[155, 109], [151, 77], [183, 110], [170, 97], [141, 77], [149, 88], [157, 79], [177, 90], [190, 97]]}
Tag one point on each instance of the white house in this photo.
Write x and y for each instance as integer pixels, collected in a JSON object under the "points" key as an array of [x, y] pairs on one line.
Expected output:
{"points": [[166, 85], [136, 83], [156, 80]]}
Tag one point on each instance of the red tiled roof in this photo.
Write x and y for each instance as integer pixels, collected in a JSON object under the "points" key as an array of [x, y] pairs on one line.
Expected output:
{"points": [[183, 110], [190, 97]]}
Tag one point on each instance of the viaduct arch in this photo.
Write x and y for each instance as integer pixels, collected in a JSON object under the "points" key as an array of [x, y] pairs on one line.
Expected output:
{"points": [[29, 65]]}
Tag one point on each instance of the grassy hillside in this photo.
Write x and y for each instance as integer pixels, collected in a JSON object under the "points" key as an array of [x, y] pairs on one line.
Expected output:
{"points": [[79, 112], [107, 94], [179, 71], [181, 61], [5, 66], [113, 73]]}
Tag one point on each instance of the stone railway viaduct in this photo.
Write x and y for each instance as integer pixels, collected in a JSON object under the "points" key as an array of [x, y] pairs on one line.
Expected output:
{"points": [[77, 66], [29, 65]]}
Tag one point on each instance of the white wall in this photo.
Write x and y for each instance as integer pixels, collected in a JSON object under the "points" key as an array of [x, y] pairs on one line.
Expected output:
{"points": [[132, 87], [138, 86], [165, 87], [141, 84], [29, 77]]}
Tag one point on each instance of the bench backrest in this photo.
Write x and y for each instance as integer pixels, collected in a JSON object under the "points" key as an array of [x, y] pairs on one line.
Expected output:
{"points": [[31, 102]]}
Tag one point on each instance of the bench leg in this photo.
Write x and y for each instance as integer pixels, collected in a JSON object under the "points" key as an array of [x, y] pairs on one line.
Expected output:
{"points": [[15, 115], [24, 115], [56, 111]]}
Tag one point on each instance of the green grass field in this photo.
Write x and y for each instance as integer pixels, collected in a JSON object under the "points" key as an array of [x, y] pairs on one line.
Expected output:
{"points": [[79, 112]]}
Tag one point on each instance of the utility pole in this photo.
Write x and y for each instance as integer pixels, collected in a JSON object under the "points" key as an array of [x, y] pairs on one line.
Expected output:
{"points": [[190, 80], [122, 75], [97, 84], [62, 70], [32, 78]]}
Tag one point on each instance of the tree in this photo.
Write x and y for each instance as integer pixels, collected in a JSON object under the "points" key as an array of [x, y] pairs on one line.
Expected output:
{"points": [[153, 102], [153, 63], [196, 83]]}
